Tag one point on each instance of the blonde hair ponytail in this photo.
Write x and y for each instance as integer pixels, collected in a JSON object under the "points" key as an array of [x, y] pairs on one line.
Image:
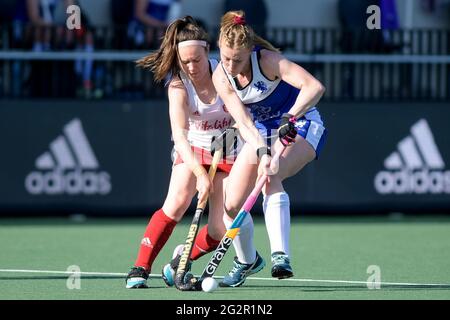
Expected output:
{"points": [[236, 33]]}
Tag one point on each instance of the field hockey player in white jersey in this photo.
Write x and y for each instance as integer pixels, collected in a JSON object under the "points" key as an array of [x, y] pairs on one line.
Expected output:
{"points": [[196, 115], [273, 103]]}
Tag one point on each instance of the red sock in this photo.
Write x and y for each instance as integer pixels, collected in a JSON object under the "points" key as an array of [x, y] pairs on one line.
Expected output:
{"points": [[156, 235], [203, 244]]}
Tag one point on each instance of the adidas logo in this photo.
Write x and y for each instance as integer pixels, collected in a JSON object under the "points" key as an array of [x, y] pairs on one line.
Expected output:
{"points": [[416, 167], [70, 167], [146, 242]]}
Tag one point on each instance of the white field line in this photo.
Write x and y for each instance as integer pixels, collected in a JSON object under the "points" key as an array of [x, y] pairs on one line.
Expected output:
{"points": [[249, 278]]}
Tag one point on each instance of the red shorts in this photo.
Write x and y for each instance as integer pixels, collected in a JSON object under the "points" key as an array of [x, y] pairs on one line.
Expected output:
{"points": [[204, 157]]}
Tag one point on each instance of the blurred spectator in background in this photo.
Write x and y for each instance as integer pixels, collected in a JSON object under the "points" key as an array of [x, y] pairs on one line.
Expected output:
{"points": [[84, 39], [256, 13], [389, 22], [49, 34], [9, 18], [20, 32], [149, 21], [356, 37], [353, 18], [440, 9], [433, 6], [8, 9], [50, 78], [121, 15], [16, 11]]}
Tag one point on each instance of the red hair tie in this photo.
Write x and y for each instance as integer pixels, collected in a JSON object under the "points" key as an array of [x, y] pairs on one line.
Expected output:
{"points": [[239, 20]]}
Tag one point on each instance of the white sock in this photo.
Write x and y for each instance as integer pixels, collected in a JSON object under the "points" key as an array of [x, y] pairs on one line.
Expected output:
{"points": [[278, 221], [243, 242]]}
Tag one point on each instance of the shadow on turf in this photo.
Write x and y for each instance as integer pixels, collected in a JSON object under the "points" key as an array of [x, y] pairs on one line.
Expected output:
{"points": [[152, 284], [352, 287], [59, 277], [317, 288]]}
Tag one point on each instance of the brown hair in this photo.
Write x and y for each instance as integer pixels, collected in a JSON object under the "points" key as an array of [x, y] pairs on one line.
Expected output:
{"points": [[238, 34], [164, 60]]}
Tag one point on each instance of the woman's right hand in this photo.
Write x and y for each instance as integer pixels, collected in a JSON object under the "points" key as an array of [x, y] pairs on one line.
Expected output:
{"points": [[204, 187]]}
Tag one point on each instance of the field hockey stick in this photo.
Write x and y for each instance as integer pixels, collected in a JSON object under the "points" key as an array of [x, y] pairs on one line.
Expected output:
{"points": [[231, 233], [218, 145]]}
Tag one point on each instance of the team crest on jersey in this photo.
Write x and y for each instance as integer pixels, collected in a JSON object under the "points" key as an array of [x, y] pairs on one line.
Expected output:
{"points": [[261, 86]]}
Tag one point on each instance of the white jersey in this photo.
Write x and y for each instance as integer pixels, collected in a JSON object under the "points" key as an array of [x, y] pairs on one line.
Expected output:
{"points": [[205, 120]]}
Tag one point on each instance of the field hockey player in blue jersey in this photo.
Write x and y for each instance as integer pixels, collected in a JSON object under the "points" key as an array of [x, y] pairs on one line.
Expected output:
{"points": [[273, 102]]}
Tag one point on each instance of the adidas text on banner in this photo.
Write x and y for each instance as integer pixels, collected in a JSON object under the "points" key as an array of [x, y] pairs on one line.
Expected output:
{"points": [[416, 167], [69, 167]]}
